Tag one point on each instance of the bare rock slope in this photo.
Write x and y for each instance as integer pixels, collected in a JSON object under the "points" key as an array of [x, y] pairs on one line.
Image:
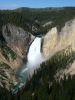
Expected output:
{"points": [[13, 53], [64, 41]]}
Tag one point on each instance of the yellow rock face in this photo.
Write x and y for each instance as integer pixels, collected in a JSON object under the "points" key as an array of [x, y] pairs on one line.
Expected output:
{"points": [[50, 41], [54, 41]]}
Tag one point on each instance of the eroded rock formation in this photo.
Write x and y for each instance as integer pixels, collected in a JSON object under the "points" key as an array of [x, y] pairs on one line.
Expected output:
{"points": [[13, 53]]}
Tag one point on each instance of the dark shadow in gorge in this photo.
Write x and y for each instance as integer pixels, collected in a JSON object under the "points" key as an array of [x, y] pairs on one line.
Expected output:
{"points": [[7, 95]]}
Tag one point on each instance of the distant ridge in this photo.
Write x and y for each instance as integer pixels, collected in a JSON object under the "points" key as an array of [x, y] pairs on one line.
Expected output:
{"points": [[46, 8], [42, 9]]}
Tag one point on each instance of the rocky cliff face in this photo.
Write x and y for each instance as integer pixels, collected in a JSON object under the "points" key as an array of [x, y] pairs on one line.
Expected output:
{"points": [[49, 43], [13, 53], [18, 39], [55, 42]]}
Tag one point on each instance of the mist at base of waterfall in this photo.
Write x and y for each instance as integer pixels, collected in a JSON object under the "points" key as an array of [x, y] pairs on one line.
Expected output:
{"points": [[34, 59]]}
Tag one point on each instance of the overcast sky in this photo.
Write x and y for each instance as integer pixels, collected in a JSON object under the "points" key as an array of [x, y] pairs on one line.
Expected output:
{"points": [[12, 4]]}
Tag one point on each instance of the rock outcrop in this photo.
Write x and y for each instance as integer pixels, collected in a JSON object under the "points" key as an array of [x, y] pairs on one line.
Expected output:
{"points": [[55, 41], [13, 53], [49, 43], [18, 39]]}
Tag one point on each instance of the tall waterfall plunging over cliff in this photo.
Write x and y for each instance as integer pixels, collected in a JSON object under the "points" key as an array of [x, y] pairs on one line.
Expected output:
{"points": [[34, 59], [34, 55]]}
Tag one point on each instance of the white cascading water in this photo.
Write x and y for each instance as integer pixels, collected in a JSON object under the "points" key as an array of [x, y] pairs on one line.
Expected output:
{"points": [[34, 58]]}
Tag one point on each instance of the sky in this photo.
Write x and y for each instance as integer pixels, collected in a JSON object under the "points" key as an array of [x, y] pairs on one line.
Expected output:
{"points": [[12, 4]]}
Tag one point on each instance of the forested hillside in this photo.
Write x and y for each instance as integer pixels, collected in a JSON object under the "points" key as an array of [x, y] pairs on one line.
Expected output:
{"points": [[27, 18], [44, 86]]}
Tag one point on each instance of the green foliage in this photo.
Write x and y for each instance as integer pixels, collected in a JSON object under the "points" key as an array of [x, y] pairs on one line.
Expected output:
{"points": [[4, 94], [4, 65], [8, 53], [26, 18], [43, 86]]}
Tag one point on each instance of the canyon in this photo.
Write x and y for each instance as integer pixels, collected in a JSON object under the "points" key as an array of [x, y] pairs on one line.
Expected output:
{"points": [[31, 48]]}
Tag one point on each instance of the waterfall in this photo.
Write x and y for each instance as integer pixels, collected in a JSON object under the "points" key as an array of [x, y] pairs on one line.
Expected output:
{"points": [[34, 59], [34, 56]]}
